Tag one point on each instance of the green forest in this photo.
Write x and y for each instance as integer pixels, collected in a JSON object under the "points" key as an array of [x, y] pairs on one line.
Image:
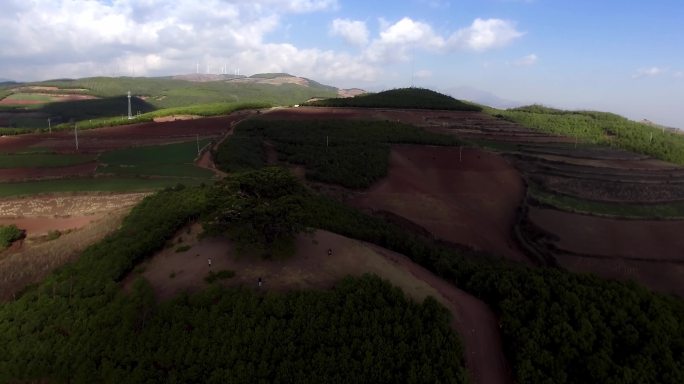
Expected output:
{"points": [[600, 128], [403, 98], [558, 327], [353, 154], [78, 326]]}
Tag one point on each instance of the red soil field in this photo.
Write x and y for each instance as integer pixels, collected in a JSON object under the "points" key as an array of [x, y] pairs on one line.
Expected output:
{"points": [[633, 239], [648, 251], [102, 139], [471, 202], [661, 277], [21, 174], [37, 226]]}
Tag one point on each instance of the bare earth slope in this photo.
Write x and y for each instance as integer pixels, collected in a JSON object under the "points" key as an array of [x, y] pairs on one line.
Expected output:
{"points": [[469, 199], [172, 272]]}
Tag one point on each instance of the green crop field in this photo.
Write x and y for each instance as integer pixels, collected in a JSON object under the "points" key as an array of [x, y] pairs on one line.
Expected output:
{"points": [[178, 153], [172, 160], [97, 184], [30, 96], [601, 208], [42, 160]]}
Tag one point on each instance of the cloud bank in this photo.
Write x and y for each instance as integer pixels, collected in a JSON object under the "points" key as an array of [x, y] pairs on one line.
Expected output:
{"points": [[75, 38]]}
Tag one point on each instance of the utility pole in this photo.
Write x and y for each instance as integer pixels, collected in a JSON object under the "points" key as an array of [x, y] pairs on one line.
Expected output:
{"points": [[460, 153], [650, 141], [130, 117], [198, 145], [326, 141], [49, 126], [76, 135]]}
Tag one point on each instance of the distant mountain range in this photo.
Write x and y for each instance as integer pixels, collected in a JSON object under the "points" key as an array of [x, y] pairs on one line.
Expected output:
{"points": [[481, 97], [270, 79], [2, 80]]}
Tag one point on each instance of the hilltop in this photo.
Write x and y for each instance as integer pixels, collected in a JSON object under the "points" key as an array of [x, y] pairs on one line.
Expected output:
{"points": [[409, 98]]}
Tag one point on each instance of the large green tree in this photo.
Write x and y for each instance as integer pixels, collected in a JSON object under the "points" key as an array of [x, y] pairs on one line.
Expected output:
{"points": [[261, 211]]}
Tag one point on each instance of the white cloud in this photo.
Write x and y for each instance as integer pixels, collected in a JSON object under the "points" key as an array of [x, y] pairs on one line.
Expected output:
{"points": [[75, 38], [354, 32], [295, 6], [400, 40], [648, 72], [150, 37], [526, 61], [679, 75], [483, 34], [408, 31]]}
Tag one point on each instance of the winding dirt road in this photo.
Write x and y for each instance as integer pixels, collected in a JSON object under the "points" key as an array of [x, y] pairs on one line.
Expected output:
{"points": [[472, 319]]}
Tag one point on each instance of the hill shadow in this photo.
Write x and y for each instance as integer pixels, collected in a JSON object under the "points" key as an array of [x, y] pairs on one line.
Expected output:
{"points": [[62, 112]]}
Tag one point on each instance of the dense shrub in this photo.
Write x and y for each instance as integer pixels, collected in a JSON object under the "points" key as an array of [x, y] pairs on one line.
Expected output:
{"points": [[349, 153], [558, 327], [405, 98], [8, 234]]}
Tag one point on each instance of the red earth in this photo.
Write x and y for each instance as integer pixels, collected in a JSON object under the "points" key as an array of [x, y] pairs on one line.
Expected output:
{"points": [[21, 174], [103, 139], [648, 251], [37, 226], [659, 240], [470, 200]]}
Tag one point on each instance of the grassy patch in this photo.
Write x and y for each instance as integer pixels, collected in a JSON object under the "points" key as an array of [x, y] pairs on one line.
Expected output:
{"points": [[634, 211], [600, 128], [42, 160], [220, 275], [182, 248], [30, 96]]}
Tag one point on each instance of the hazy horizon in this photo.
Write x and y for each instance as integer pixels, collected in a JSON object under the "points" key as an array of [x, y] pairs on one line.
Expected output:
{"points": [[613, 56]]}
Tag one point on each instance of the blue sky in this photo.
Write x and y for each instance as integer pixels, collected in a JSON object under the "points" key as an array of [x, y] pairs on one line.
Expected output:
{"points": [[621, 56]]}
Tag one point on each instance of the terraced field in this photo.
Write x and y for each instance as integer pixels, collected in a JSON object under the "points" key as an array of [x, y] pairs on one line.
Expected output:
{"points": [[589, 208]]}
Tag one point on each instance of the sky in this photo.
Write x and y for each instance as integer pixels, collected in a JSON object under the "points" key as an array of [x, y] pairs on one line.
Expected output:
{"points": [[622, 56]]}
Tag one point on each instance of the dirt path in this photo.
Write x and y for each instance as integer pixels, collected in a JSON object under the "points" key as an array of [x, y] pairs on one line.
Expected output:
{"points": [[472, 318], [171, 273], [207, 161]]}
